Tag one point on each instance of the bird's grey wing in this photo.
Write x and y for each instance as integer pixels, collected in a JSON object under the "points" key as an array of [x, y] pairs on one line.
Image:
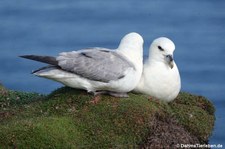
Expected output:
{"points": [[95, 64]]}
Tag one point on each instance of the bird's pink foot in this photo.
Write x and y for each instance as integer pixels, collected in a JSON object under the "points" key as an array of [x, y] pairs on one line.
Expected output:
{"points": [[95, 100]]}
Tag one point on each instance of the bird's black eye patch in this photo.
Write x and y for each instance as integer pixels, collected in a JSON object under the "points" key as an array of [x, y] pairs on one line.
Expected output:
{"points": [[160, 48]]}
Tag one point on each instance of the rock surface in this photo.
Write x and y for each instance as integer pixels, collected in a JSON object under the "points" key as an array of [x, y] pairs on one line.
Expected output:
{"points": [[68, 118]]}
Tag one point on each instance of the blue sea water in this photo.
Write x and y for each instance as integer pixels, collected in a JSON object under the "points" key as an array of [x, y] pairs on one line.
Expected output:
{"points": [[49, 27]]}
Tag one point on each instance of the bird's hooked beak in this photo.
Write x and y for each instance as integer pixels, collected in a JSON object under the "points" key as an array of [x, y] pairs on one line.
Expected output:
{"points": [[169, 60]]}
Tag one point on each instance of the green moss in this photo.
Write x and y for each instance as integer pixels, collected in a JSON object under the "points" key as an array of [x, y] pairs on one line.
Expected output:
{"points": [[40, 132], [195, 100], [67, 118], [10, 98], [195, 113], [14, 103]]}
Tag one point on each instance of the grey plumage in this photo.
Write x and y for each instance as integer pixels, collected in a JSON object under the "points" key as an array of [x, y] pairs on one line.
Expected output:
{"points": [[98, 64], [97, 70]]}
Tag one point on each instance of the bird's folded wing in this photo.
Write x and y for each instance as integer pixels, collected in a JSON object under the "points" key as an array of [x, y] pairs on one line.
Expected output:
{"points": [[95, 64]]}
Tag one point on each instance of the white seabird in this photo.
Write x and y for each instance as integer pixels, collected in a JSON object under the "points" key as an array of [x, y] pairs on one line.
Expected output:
{"points": [[160, 77], [97, 70]]}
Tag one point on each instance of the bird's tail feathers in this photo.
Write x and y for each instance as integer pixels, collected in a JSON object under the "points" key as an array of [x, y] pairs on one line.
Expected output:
{"points": [[44, 59]]}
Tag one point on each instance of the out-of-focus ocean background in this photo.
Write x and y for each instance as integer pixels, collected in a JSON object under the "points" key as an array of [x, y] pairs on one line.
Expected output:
{"points": [[49, 27]]}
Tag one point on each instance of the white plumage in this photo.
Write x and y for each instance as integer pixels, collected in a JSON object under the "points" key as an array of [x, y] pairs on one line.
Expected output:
{"points": [[160, 77]]}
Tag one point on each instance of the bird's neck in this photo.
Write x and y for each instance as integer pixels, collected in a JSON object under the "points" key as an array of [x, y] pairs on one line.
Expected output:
{"points": [[133, 52]]}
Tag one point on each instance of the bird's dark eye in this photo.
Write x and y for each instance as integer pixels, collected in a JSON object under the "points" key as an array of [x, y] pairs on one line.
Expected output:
{"points": [[160, 48]]}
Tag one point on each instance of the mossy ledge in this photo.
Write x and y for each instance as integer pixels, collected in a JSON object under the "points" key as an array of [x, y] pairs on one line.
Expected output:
{"points": [[67, 119]]}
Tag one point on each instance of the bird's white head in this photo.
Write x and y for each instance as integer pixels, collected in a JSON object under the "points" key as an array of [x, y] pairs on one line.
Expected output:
{"points": [[131, 40], [131, 46], [162, 50]]}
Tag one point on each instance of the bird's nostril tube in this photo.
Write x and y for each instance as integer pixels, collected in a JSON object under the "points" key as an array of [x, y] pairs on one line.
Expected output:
{"points": [[170, 57]]}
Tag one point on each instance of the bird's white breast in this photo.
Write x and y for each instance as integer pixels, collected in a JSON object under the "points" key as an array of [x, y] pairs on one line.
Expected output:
{"points": [[160, 81]]}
